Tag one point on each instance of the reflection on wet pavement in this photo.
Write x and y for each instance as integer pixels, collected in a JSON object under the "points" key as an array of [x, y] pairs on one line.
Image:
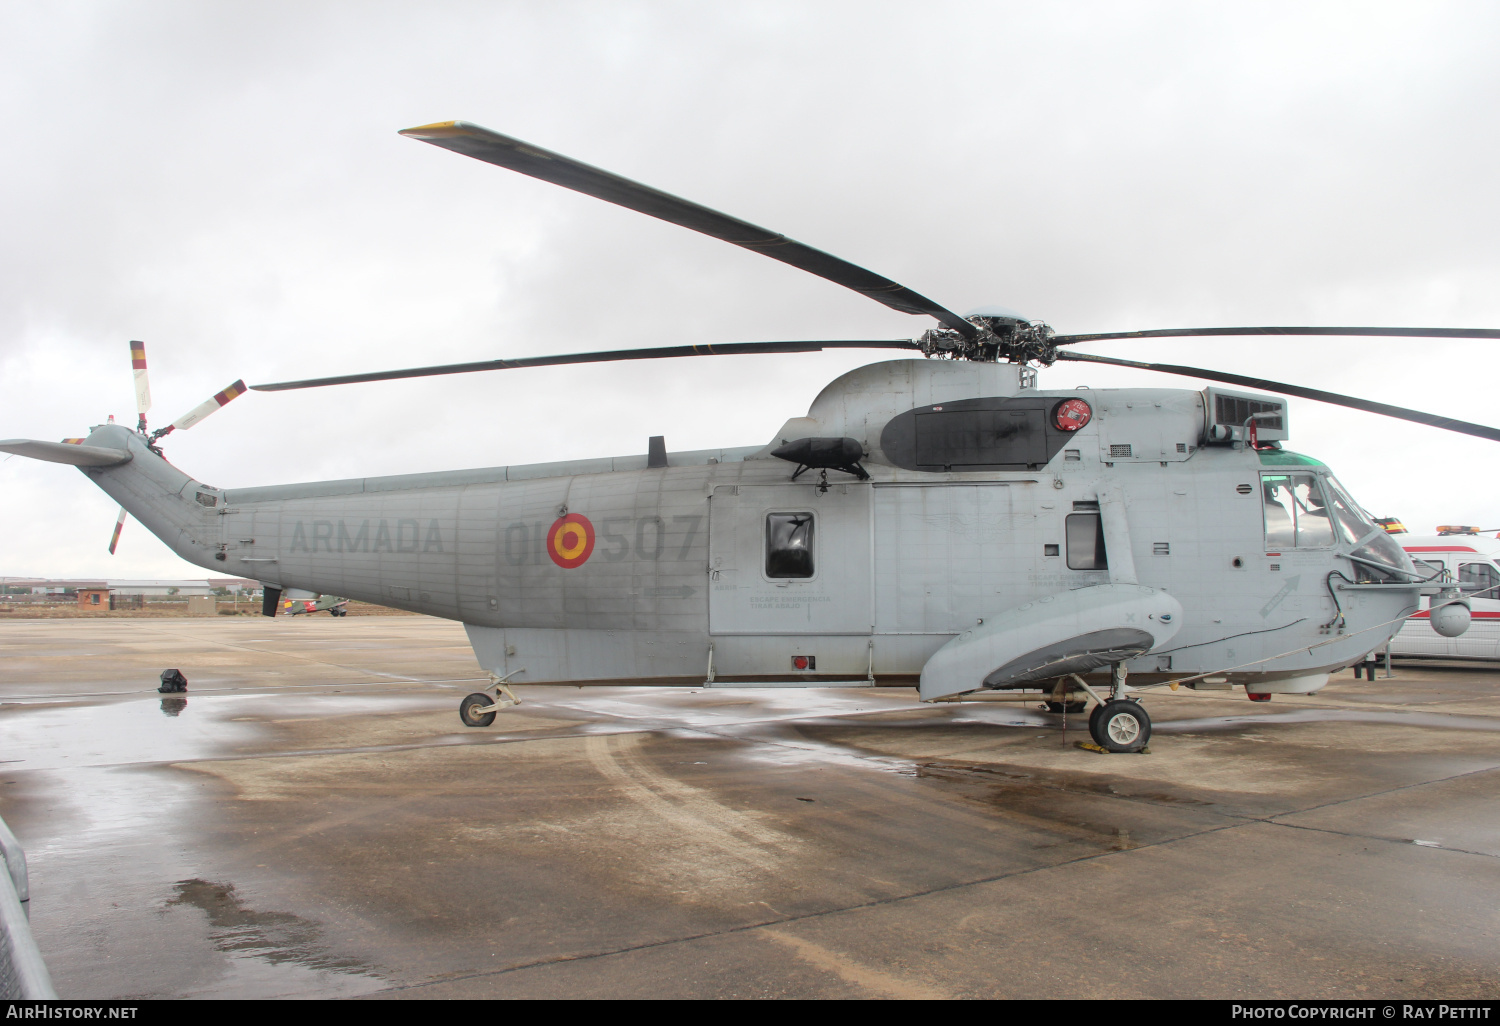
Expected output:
{"points": [[276, 937]]}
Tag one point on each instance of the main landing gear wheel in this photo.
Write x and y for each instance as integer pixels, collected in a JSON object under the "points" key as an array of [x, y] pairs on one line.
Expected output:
{"points": [[1120, 725], [1071, 708], [470, 717]]}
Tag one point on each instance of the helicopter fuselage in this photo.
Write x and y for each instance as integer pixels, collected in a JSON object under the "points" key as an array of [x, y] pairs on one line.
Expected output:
{"points": [[719, 565]]}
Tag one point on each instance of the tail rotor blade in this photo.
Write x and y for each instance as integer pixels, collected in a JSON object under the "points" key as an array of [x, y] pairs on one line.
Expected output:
{"points": [[115, 538], [202, 410], [142, 385]]}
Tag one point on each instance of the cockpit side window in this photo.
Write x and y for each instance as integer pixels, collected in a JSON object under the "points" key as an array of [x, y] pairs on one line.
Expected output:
{"points": [[1296, 512], [789, 545]]}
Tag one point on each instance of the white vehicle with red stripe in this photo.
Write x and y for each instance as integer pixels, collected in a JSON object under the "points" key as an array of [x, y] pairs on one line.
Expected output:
{"points": [[1469, 559]]}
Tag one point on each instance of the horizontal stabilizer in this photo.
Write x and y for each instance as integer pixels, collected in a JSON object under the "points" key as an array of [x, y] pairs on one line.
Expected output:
{"points": [[65, 452]]}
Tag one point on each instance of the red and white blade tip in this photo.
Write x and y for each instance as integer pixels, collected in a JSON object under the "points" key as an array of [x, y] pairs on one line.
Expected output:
{"points": [[220, 400], [142, 386], [115, 538]]}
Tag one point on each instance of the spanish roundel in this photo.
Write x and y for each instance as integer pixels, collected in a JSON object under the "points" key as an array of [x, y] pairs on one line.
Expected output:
{"points": [[570, 541]]}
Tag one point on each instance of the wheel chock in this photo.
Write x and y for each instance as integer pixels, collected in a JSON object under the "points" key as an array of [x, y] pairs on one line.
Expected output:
{"points": [[1089, 746]]}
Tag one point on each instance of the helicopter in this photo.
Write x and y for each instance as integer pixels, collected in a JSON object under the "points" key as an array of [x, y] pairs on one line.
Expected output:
{"points": [[936, 520]]}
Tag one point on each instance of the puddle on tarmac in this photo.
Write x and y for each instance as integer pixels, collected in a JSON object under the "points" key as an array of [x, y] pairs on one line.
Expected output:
{"points": [[274, 937], [1404, 719], [68, 735]]}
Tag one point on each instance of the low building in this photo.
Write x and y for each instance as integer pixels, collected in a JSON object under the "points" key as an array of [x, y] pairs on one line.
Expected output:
{"points": [[96, 597], [161, 589]]}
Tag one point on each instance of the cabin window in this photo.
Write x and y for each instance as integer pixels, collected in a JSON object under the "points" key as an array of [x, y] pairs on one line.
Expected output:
{"points": [[1085, 542], [1296, 512], [789, 545], [1482, 574]]}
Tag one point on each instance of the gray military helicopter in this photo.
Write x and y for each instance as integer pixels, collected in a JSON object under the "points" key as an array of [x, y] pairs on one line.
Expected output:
{"points": [[938, 521]]}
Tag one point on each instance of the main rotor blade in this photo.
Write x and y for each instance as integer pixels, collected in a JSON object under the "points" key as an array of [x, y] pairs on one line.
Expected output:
{"points": [[502, 150], [1281, 388], [1067, 340], [661, 353]]}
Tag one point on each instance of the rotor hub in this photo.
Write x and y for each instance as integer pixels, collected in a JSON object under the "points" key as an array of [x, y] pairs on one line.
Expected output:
{"points": [[1007, 339]]}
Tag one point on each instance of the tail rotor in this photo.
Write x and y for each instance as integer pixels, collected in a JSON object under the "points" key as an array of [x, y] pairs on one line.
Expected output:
{"points": [[188, 419], [143, 406]]}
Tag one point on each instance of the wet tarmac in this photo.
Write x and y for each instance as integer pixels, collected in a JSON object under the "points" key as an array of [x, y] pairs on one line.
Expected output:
{"points": [[311, 819]]}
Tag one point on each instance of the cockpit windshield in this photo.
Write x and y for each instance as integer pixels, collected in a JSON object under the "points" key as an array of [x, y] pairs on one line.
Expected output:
{"points": [[1353, 522], [1372, 544]]}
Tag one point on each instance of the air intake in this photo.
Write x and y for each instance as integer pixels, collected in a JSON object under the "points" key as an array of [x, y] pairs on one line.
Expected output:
{"points": [[1228, 413]]}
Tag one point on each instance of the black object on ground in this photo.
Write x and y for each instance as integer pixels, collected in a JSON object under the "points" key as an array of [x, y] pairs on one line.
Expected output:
{"points": [[172, 681]]}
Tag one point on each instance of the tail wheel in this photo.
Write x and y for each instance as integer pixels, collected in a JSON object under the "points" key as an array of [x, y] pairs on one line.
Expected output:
{"points": [[470, 717], [1121, 726]]}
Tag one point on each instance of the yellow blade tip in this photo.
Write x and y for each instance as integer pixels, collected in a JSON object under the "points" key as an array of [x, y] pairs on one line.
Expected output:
{"points": [[436, 126]]}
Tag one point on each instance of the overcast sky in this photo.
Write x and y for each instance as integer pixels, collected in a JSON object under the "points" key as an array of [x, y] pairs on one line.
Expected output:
{"points": [[225, 182]]}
